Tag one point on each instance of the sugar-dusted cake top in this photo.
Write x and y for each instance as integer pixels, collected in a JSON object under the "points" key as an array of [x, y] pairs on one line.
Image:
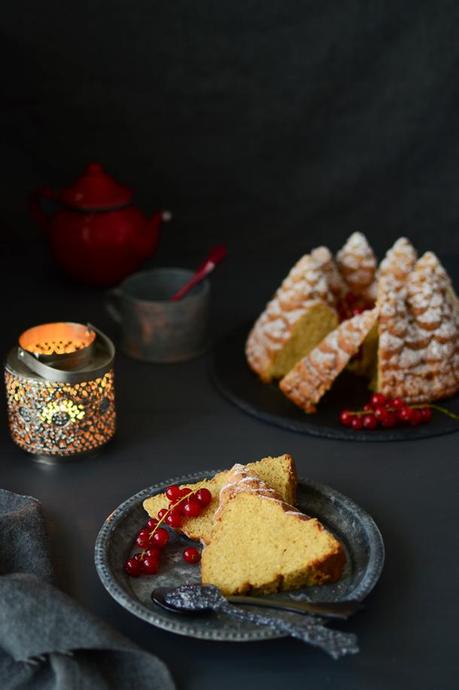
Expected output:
{"points": [[357, 263], [418, 355]]}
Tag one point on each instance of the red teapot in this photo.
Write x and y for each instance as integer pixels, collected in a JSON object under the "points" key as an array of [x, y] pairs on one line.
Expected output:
{"points": [[96, 234]]}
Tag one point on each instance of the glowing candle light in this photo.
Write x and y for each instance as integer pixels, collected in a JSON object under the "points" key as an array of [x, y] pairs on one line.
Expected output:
{"points": [[60, 389]]}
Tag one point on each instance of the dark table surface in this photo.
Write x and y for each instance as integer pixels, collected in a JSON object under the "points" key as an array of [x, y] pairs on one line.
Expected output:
{"points": [[172, 421]]}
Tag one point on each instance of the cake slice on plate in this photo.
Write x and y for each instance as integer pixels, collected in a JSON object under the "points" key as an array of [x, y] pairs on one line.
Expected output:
{"points": [[312, 377], [277, 472], [261, 544]]}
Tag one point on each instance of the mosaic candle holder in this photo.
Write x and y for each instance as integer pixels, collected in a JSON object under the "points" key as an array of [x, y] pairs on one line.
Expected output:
{"points": [[60, 389]]}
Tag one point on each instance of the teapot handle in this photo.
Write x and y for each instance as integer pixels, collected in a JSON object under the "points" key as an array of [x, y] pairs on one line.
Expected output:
{"points": [[35, 206]]}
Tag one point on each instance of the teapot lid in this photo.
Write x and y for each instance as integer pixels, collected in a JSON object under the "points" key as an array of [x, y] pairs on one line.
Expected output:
{"points": [[95, 189]]}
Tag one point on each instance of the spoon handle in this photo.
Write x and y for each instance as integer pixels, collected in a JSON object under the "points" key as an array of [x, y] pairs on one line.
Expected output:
{"points": [[216, 255], [307, 629], [339, 609]]}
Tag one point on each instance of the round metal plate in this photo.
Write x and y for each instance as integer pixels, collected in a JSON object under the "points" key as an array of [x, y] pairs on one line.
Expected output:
{"points": [[353, 526]]}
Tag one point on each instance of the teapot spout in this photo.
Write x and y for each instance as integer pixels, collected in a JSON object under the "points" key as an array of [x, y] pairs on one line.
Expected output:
{"points": [[153, 228], [157, 218]]}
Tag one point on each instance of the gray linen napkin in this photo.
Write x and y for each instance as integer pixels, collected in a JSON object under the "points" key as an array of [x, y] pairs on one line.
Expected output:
{"points": [[48, 641]]}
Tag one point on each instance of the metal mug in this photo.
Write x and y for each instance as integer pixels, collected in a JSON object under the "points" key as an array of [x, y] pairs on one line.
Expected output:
{"points": [[154, 329]]}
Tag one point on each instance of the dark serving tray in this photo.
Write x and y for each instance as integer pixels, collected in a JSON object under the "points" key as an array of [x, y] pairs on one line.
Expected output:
{"points": [[236, 382]]}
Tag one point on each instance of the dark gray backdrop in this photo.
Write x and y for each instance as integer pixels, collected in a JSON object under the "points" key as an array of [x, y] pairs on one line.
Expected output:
{"points": [[257, 121], [274, 126]]}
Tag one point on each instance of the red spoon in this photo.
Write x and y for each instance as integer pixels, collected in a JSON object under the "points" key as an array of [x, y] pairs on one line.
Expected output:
{"points": [[214, 257]]}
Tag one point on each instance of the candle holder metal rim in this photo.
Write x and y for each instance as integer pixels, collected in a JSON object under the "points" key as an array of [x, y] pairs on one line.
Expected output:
{"points": [[43, 399], [22, 363], [73, 325]]}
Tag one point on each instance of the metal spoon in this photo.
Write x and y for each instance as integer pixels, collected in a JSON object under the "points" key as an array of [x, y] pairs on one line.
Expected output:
{"points": [[339, 609], [308, 629]]}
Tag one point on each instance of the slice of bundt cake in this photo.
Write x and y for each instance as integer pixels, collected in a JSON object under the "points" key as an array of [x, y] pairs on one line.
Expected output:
{"points": [[311, 378], [261, 544], [300, 314], [277, 472]]}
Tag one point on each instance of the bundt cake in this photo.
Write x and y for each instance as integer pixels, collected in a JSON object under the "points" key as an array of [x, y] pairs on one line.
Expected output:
{"points": [[410, 351], [277, 472], [261, 544]]}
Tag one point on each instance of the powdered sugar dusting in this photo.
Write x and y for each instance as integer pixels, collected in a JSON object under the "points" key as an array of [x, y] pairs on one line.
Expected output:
{"points": [[425, 307], [357, 263], [241, 481]]}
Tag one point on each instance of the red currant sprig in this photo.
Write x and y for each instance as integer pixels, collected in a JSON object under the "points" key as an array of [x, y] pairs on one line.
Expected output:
{"points": [[183, 503], [351, 305], [389, 413]]}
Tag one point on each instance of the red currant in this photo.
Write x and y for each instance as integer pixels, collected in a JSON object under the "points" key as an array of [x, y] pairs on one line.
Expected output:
{"points": [[152, 551], [378, 399], [346, 418], [416, 417], [185, 491], [133, 567], [160, 537], [426, 415], [191, 555], [143, 538], [191, 507], [404, 414], [162, 513], [350, 298], [368, 407], [388, 419], [357, 310], [398, 403], [379, 413], [150, 565], [173, 493], [370, 421], [357, 422], [343, 313], [203, 496], [151, 523], [174, 519]]}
